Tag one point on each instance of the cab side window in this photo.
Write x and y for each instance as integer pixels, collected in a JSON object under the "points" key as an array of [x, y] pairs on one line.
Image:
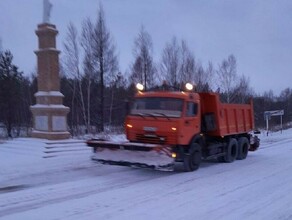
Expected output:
{"points": [[192, 109]]}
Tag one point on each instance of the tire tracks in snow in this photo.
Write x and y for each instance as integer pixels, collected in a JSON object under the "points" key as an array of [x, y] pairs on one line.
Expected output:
{"points": [[35, 197], [106, 179], [275, 144]]}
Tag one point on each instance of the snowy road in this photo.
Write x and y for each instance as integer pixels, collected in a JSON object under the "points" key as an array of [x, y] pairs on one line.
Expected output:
{"points": [[70, 186]]}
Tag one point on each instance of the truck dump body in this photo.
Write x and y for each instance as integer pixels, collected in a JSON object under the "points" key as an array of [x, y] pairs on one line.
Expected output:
{"points": [[222, 119]]}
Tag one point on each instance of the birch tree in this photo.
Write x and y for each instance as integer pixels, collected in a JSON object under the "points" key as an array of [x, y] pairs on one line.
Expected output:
{"points": [[72, 66], [87, 43]]}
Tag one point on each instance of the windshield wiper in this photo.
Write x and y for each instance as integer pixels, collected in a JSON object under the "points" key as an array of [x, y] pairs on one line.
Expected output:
{"points": [[146, 114], [159, 113], [141, 115]]}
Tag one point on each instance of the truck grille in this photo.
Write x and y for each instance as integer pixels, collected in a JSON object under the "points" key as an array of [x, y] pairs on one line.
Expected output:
{"points": [[151, 139]]}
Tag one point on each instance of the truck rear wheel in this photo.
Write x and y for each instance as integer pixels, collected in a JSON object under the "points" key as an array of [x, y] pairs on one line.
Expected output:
{"points": [[192, 160], [243, 146], [231, 151]]}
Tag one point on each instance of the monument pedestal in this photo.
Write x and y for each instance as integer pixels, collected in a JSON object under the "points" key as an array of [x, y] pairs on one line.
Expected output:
{"points": [[49, 114], [50, 120]]}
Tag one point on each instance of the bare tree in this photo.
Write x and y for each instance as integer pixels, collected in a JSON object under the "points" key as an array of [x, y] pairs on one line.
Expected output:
{"points": [[285, 94], [136, 71], [72, 65], [179, 65], [200, 78], [105, 58], [208, 79], [203, 78], [170, 62], [143, 68], [269, 96], [227, 77], [242, 91], [188, 65], [286, 99]]}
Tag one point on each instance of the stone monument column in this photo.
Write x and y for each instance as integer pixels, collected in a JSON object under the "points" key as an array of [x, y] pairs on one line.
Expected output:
{"points": [[49, 113]]}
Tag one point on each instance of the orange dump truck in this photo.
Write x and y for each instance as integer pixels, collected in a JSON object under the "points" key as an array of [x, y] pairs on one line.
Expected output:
{"points": [[165, 128]]}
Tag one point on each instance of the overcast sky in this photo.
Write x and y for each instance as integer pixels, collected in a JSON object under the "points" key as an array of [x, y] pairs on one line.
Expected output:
{"points": [[257, 32]]}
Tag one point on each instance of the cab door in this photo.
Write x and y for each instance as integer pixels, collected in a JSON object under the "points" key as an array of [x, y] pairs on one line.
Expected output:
{"points": [[192, 122]]}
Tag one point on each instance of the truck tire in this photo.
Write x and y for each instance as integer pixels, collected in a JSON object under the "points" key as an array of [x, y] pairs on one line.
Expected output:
{"points": [[192, 160], [243, 146], [231, 151]]}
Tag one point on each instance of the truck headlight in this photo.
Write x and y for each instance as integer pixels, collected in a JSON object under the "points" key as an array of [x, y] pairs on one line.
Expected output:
{"points": [[129, 125]]}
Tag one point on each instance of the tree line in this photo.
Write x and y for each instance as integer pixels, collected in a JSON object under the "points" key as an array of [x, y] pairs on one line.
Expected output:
{"points": [[97, 91]]}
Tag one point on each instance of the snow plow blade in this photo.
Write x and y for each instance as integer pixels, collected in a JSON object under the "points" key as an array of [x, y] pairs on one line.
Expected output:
{"points": [[154, 156]]}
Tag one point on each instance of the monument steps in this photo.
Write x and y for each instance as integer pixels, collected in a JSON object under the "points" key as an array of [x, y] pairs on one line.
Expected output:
{"points": [[63, 148], [45, 148]]}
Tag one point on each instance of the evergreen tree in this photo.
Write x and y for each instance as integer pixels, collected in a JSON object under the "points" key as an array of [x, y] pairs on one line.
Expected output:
{"points": [[11, 96], [106, 61]]}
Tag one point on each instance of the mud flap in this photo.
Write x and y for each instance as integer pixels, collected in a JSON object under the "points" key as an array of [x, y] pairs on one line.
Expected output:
{"points": [[254, 143]]}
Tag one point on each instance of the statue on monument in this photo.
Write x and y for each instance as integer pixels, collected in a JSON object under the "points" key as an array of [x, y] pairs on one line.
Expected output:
{"points": [[47, 11]]}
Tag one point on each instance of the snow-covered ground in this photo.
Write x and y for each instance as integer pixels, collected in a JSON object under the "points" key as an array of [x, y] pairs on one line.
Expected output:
{"points": [[42, 179]]}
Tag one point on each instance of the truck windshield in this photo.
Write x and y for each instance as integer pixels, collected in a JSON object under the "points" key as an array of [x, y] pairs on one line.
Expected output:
{"points": [[157, 107]]}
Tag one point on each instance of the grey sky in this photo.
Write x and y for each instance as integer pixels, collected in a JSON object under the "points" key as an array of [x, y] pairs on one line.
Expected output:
{"points": [[257, 32]]}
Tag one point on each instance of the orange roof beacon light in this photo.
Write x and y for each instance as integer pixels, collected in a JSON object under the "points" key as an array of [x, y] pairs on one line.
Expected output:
{"points": [[189, 86], [139, 86]]}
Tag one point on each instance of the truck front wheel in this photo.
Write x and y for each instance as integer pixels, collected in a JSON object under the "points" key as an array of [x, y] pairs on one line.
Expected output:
{"points": [[231, 151], [192, 159]]}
